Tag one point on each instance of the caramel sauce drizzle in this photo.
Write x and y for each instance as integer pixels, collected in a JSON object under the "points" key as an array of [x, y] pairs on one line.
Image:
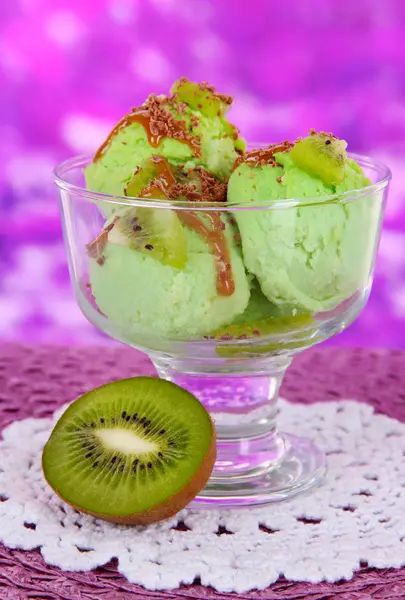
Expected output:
{"points": [[165, 177], [214, 236], [217, 243], [263, 156], [144, 118]]}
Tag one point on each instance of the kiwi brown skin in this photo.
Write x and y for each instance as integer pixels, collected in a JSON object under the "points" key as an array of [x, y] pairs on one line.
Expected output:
{"points": [[171, 505]]}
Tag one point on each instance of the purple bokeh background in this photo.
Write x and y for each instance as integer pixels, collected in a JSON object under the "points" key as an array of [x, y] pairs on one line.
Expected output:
{"points": [[70, 68]]}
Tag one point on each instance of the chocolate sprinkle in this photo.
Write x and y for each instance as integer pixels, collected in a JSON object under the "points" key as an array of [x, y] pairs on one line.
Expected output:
{"points": [[263, 156], [159, 123], [225, 98], [207, 188], [323, 134]]}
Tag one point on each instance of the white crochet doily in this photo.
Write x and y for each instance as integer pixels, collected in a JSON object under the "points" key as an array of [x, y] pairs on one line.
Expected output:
{"points": [[356, 516]]}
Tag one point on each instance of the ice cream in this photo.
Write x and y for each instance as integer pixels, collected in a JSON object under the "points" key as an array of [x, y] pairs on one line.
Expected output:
{"points": [[310, 257], [176, 274], [142, 295], [193, 270], [189, 127]]}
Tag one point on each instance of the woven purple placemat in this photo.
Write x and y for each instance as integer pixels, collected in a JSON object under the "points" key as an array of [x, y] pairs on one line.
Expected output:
{"points": [[34, 381]]}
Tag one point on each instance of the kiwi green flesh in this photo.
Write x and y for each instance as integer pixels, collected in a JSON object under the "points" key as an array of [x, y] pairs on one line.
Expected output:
{"points": [[155, 232], [266, 349], [239, 142], [148, 174], [322, 156], [141, 178], [270, 326], [249, 333], [198, 98], [125, 450]]}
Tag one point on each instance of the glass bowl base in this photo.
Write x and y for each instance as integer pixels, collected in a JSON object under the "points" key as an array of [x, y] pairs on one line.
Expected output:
{"points": [[259, 479]]}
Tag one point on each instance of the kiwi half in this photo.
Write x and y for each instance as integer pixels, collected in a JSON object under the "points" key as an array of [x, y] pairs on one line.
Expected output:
{"points": [[134, 451], [321, 155]]}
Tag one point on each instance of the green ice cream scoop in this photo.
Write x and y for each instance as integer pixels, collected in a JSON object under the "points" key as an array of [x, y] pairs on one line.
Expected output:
{"points": [[144, 296], [188, 128], [174, 274], [312, 256]]}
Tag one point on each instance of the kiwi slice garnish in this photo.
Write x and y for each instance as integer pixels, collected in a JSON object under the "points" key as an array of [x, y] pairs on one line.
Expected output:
{"points": [[154, 231], [134, 451], [153, 179], [239, 142], [249, 333], [321, 155], [142, 178], [199, 97], [203, 98]]}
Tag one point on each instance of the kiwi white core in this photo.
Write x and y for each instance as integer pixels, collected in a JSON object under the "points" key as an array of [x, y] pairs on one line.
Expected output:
{"points": [[115, 236], [123, 440]]}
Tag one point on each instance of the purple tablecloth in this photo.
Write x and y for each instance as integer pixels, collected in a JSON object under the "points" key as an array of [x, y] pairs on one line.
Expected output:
{"points": [[36, 380]]}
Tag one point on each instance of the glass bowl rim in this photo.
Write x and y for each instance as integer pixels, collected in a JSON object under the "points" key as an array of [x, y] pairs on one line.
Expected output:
{"points": [[75, 162]]}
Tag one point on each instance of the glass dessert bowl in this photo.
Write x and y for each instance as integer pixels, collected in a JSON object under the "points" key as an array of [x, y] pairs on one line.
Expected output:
{"points": [[222, 295]]}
